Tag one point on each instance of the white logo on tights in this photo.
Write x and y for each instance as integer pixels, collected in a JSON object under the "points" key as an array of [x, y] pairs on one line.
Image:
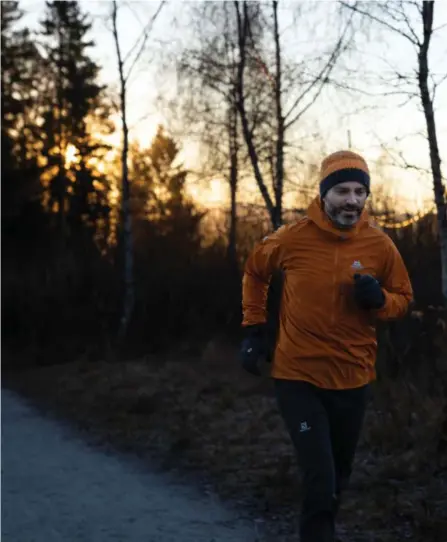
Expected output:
{"points": [[304, 427]]}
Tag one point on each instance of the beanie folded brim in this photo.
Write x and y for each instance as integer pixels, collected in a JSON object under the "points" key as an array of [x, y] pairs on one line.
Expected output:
{"points": [[344, 176]]}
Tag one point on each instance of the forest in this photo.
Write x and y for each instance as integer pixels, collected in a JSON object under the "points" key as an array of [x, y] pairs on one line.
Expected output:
{"points": [[121, 287]]}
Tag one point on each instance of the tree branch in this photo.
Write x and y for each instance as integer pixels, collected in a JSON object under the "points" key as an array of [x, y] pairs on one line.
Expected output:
{"points": [[243, 30], [321, 78], [384, 23], [436, 85], [145, 36], [410, 28]]}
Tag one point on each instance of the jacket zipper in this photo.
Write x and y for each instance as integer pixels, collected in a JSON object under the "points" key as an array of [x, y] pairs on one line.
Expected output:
{"points": [[334, 286]]}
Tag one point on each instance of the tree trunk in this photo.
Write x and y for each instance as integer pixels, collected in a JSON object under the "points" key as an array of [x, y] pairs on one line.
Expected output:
{"points": [[129, 285], [61, 179], [279, 170], [242, 27], [435, 159], [234, 154]]}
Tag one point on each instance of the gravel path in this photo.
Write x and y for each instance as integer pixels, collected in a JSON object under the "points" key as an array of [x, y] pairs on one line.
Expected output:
{"points": [[56, 488]]}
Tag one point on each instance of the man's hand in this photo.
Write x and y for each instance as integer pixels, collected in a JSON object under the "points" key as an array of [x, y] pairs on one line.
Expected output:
{"points": [[253, 348], [368, 292]]}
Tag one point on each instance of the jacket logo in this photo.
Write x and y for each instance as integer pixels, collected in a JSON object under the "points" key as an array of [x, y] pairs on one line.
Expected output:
{"points": [[357, 265]]}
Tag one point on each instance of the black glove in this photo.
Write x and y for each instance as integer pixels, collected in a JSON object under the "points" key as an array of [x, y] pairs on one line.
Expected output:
{"points": [[253, 348], [368, 292]]}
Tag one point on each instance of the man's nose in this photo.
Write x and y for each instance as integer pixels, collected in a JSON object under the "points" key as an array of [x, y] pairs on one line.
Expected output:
{"points": [[352, 199]]}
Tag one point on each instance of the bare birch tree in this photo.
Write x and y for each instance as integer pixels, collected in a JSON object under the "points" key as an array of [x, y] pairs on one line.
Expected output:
{"points": [[300, 96], [414, 22], [207, 71], [126, 216]]}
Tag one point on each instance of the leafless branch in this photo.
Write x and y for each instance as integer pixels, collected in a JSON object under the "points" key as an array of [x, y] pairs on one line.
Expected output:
{"points": [[440, 27], [397, 159], [436, 85], [212, 82], [143, 37], [320, 80], [409, 26], [350, 88], [140, 120], [384, 23]]}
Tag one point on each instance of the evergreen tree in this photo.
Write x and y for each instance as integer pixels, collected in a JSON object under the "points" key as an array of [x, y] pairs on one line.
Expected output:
{"points": [[75, 103], [158, 193], [20, 81]]}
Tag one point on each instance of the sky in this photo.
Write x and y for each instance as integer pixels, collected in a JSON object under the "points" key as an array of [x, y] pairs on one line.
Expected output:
{"points": [[370, 120]]}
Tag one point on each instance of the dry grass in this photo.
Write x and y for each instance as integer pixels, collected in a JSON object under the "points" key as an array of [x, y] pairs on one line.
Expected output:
{"points": [[204, 415]]}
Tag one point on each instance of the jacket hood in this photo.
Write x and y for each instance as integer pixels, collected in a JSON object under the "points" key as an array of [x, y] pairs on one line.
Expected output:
{"points": [[317, 215]]}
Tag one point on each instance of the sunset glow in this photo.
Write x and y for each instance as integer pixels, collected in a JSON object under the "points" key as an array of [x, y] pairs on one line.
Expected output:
{"points": [[71, 155]]}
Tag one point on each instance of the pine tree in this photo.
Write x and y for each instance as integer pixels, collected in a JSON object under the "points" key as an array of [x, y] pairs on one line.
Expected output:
{"points": [[75, 103], [20, 81], [158, 192]]}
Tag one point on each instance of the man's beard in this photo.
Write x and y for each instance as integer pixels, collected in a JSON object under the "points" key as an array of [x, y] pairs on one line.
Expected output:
{"points": [[344, 217]]}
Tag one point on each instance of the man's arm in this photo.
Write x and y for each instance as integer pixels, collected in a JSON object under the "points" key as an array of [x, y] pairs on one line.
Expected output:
{"points": [[262, 262], [396, 286]]}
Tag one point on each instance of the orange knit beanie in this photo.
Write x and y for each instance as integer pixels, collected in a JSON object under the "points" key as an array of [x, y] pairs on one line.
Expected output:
{"points": [[341, 167]]}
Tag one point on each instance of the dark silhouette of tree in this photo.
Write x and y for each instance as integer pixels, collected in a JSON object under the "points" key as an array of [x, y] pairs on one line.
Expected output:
{"points": [[158, 199], [19, 87], [75, 102]]}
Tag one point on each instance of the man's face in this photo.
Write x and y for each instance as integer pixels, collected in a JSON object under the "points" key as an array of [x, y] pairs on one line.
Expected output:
{"points": [[344, 203]]}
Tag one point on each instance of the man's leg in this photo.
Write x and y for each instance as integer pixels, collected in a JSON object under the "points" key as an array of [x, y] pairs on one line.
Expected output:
{"points": [[346, 411], [307, 422]]}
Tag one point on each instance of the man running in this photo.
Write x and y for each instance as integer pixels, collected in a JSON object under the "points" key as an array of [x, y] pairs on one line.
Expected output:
{"points": [[341, 275]]}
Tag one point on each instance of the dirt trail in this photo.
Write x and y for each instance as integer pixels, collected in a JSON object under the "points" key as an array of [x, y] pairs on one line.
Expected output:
{"points": [[55, 487]]}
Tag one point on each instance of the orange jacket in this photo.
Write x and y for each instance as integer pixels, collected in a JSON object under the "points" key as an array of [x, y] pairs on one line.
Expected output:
{"points": [[324, 338]]}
